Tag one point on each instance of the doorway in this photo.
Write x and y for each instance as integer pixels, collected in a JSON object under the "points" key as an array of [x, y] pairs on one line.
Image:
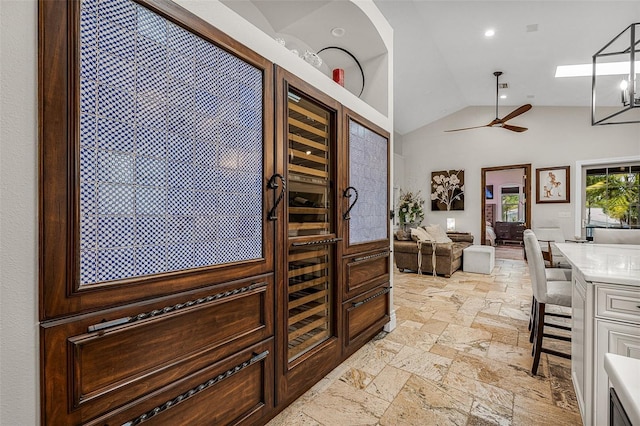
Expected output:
{"points": [[505, 208]]}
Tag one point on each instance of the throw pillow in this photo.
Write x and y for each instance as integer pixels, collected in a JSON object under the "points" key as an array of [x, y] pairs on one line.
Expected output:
{"points": [[420, 234], [438, 234]]}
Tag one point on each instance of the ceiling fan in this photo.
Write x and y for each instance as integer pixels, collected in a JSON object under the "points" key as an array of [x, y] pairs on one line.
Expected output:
{"points": [[501, 122]]}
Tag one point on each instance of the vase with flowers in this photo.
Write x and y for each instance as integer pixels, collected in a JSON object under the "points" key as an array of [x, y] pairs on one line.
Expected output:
{"points": [[410, 209]]}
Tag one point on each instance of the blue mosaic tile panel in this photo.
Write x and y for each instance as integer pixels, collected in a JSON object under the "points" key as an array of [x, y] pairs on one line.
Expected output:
{"points": [[170, 147], [368, 174]]}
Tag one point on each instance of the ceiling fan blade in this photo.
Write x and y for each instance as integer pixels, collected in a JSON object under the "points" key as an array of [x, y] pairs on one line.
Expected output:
{"points": [[514, 128], [516, 112], [468, 128]]}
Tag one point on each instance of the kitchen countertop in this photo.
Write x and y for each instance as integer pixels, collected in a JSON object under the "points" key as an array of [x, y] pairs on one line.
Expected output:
{"points": [[624, 375], [607, 263]]}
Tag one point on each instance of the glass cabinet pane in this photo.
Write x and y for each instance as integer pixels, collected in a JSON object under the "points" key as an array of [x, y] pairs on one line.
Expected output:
{"points": [[310, 274], [368, 164]]}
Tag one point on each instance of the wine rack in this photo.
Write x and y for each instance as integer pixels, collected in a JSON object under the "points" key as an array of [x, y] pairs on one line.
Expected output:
{"points": [[310, 270]]}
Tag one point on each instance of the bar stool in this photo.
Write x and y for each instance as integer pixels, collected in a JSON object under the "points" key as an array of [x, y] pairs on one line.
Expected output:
{"points": [[545, 291]]}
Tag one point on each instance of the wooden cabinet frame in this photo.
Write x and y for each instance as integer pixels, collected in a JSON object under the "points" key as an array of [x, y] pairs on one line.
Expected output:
{"points": [[293, 378], [124, 323], [344, 182], [60, 291]]}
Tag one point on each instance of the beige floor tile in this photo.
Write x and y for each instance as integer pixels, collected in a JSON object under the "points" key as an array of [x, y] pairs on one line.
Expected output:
{"points": [[489, 413], [465, 339], [434, 326], [388, 383], [424, 364], [445, 351], [529, 412], [410, 336], [509, 354], [341, 404], [374, 356], [452, 317], [515, 379], [357, 378], [293, 416], [561, 387], [421, 402], [480, 390]]}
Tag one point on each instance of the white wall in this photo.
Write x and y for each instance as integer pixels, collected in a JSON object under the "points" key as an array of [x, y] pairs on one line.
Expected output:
{"points": [[557, 136], [19, 342], [19, 368]]}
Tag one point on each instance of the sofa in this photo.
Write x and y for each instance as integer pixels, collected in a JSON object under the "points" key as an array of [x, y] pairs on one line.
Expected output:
{"points": [[448, 255]]}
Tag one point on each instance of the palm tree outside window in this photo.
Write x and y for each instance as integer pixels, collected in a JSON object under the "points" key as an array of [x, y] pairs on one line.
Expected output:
{"points": [[612, 197]]}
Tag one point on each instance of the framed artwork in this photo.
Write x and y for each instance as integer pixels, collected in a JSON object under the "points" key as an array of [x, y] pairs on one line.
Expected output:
{"points": [[447, 190], [553, 185], [488, 192]]}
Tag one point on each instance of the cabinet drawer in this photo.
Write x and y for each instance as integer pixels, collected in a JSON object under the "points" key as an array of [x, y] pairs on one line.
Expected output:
{"points": [[235, 390], [618, 303], [102, 361], [365, 271], [364, 316]]}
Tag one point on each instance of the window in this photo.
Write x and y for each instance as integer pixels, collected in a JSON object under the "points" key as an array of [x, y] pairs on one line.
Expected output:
{"points": [[611, 197], [510, 200]]}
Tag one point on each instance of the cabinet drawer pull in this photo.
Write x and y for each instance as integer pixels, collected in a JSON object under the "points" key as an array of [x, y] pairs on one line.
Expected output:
{"points": [[319, 242], [196, 389], [385, 290], [371, 256], [176, 307]]}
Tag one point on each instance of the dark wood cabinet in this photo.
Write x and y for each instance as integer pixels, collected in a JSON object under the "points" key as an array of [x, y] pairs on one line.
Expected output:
{"points": [[307, 134], [111, 359], [214, 231], [509, 232], [366, 261]]}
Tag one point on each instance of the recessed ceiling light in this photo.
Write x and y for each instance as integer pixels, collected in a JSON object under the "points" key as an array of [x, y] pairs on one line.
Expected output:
{"points": [[585, 70], [490, 32], [503, 96], [338, 32]]}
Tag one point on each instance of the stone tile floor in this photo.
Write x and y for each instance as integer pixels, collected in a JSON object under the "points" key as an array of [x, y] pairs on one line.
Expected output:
{"points": [[460, 355]]}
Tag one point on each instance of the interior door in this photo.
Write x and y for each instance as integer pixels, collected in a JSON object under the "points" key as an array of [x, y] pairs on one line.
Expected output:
{"points": [[526, 185]]}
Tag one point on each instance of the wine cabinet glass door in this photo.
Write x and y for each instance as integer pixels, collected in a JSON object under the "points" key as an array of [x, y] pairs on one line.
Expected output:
{"points": [[310, 226]]}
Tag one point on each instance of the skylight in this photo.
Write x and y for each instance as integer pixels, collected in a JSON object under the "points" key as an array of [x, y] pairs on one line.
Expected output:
{"points": [[585, 70]]}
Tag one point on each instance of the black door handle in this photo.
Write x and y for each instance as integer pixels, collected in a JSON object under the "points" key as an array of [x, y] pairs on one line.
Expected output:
{"points": [[347, 194], [274, 185]]}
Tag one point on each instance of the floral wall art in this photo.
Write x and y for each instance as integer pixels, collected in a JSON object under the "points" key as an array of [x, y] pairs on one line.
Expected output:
{"points": [[447, 190]]}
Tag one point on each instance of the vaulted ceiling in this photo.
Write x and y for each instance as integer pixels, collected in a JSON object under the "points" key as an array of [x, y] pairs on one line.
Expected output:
{"points": [[442, 60]]}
